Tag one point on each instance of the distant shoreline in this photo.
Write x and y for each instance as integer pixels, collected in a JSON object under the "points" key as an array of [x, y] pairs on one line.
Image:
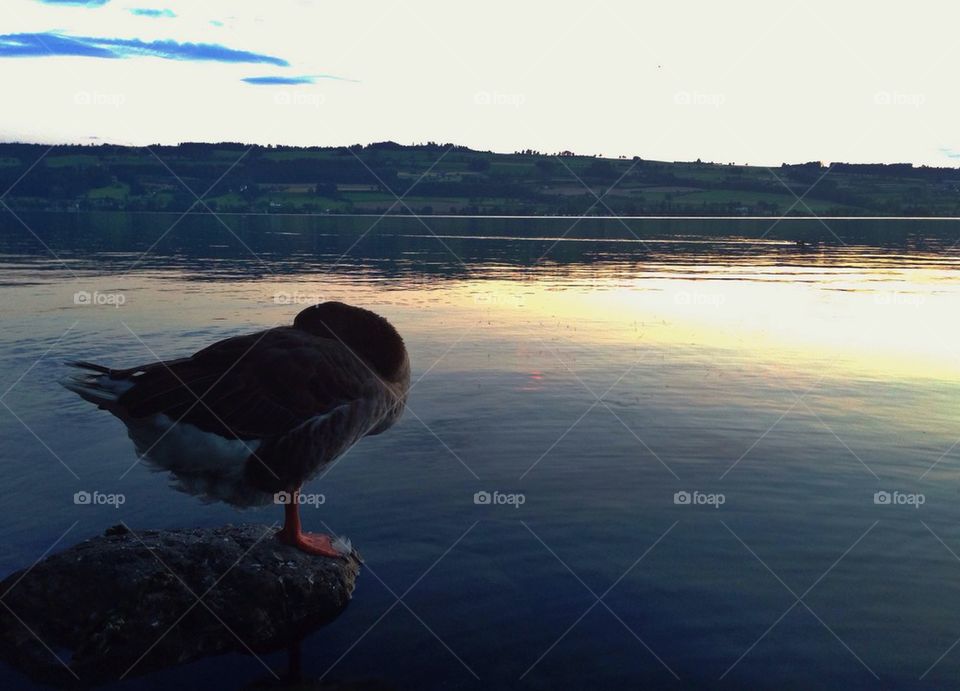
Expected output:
{"points": [[507, 217], [449, 181]]}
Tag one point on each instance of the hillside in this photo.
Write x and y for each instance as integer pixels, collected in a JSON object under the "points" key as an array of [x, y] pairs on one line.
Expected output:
{"points": [[447, 179]]}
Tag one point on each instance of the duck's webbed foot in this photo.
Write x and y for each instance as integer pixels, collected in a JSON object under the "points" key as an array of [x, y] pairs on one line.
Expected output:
{"points": [[312, 543]]}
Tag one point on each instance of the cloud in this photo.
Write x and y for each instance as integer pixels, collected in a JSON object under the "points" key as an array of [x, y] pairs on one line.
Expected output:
{"points": [[289, 81], [31, 45], [152, 13], [48, 44], [950, 153], [77, 3], [269, 81]]}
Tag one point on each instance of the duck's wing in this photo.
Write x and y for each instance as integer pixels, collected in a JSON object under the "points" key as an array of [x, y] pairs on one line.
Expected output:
{"points": [[250, 387]]}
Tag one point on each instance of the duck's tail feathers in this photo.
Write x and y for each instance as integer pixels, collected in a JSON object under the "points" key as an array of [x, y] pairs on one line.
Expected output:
{"points": [[95, 384], [83, 364]]}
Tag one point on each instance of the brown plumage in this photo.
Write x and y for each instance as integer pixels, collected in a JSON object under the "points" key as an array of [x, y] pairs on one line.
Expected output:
{"points": [[268, 409]]}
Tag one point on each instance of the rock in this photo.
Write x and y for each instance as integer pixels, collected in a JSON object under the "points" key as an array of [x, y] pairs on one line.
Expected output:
{"points": [[126, 603]]}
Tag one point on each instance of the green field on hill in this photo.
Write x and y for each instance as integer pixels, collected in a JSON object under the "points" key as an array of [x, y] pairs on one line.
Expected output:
{"points": [[448, 179]]}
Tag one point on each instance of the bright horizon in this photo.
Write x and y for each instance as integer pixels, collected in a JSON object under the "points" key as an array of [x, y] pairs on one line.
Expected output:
{"points": [[748, 84]]}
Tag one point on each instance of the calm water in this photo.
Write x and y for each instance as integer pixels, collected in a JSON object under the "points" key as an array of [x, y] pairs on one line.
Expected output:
{"points": [[791, 383]]}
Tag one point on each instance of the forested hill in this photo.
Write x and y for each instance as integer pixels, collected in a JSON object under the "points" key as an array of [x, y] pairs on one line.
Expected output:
{"points": [[448, 179]]}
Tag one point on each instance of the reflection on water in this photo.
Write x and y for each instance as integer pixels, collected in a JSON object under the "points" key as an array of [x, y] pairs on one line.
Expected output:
{"points": [[595, 372]]}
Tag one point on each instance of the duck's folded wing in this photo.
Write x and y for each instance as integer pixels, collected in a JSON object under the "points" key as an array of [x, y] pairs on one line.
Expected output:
{"points": [[249, 387]]}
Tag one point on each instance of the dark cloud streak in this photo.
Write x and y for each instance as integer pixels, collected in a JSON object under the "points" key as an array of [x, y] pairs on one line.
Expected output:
{"points": [[77, 3], [151, 12], [301, 79], [271, 81], [51, 44]]}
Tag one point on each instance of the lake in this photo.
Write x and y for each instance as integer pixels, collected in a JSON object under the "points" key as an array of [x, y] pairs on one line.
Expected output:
{"points": [[716, 452]]}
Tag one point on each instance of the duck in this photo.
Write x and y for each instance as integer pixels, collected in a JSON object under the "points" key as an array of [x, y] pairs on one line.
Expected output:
{"points": [[250, 419]]}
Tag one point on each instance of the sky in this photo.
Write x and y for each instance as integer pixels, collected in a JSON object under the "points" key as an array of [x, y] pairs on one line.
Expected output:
{"points": [[747, 82]]}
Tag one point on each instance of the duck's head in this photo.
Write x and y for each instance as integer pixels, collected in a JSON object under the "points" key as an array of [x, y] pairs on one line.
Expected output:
{"points": [[366, 333]]}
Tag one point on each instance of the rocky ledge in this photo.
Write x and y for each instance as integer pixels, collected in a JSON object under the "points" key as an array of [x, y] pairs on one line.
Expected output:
{"points": [[127, 603]]}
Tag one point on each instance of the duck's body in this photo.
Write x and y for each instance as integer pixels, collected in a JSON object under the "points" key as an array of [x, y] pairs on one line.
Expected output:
{"points": [[252, 416]]}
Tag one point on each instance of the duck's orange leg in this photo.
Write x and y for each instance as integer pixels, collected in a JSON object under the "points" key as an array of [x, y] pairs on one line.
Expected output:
{"points": [[311, 543]]}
